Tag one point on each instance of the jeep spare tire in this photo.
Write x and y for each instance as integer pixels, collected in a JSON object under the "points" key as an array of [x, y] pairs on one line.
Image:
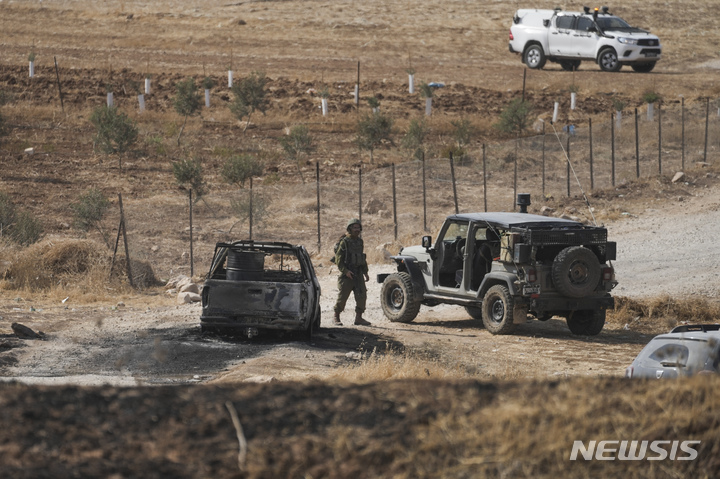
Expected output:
{"points": [[576, 271], [397, 298]]}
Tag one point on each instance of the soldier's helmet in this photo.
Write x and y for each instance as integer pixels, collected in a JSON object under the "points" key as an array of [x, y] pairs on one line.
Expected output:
{"points": [[353, 221]]}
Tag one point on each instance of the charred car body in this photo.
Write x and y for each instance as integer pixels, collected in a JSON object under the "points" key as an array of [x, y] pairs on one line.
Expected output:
{"points": [[253, 286], [505, 266]]}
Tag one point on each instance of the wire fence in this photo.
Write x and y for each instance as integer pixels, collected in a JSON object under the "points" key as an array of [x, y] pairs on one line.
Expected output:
{"points": [[399, 203]]}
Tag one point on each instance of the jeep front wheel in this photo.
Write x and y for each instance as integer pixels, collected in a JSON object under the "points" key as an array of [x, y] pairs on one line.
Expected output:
{"points": [[576, 272], [608, 60], [586, 322], [397, 298], [497, 308], [534, 57]]}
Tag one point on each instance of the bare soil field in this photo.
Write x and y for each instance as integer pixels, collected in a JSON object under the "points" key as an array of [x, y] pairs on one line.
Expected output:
{"points": [[123, 384]]}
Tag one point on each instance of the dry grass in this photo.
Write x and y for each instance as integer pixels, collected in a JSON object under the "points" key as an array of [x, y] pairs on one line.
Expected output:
{"points": [[62, 267], [659, 314]]}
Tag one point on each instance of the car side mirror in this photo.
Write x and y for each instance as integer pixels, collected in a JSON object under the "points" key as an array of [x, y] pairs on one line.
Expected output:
{"points": [[592, 28], [546, 23], [427, 242]]}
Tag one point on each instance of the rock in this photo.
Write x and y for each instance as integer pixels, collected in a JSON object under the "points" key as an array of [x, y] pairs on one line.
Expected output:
{"points": [[259, 379], [547, 211], [679, 176], [29, 151], [190, 288], [374, 206], [354, 355], [23, 332], [155, 248], [178, 282], [185, 298], [702, 164]]}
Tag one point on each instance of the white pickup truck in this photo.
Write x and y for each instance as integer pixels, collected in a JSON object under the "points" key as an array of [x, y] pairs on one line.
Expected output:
{"points": [[571, 37]]}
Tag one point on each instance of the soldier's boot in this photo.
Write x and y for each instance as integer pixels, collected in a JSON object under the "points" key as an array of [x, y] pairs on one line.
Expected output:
{"points": [[359, 321], [336, 319]]}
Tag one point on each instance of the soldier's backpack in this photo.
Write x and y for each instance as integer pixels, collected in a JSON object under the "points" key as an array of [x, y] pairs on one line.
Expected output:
{"points": [[337, 247]]}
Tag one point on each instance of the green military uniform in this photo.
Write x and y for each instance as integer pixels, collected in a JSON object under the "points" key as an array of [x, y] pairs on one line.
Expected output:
{"points": [[350, 257]]}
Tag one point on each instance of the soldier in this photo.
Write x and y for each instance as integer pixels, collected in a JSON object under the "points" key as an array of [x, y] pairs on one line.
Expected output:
{"points": [[350, 260]]}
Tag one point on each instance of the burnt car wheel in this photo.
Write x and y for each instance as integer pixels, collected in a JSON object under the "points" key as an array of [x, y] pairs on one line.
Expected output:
{"points": [[497, 308], [586, 322], [397, 298], [576, 272]]}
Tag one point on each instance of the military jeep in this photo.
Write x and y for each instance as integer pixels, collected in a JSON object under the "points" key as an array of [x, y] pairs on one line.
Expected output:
{"points": [[504, 268]]}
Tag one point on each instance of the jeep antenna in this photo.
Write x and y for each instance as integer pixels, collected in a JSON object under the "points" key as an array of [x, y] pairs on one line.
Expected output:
{"points": [[567, 158]]}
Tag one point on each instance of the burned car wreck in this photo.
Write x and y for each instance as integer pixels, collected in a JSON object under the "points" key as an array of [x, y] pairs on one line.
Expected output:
{"points": [[254, 286]]}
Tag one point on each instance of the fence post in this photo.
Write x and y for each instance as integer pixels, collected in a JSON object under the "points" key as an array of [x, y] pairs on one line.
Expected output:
{"points": [[568, 166], [317, 190], [192, 270], [612, 148], [659, 139], [515, 166], [682, 137], [360, 193], [543, 163], [424, 194], [484, 178], [395, 222], [57, 75], [637, 147], [707, 118], [452, 176], [125, 240], [251, 208], [592, 179]]}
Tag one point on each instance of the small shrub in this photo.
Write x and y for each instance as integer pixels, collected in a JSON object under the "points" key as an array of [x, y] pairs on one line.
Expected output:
{"points": [[116, 133], [241, 207], [208, 83], [19, 227], [188, 174], [415, 136], [249, 97], [374, 103], [297, 144], [515, 117], [31, 56], [618, 104], [372, 129], [186, 102], [90, 210], [239, 168], [650, 97], [426, 91], [324, 92], [462, 132]]}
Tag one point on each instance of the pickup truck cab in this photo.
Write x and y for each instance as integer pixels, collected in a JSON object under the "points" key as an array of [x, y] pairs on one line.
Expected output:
{"points": [[568, 38], [254, 286]]}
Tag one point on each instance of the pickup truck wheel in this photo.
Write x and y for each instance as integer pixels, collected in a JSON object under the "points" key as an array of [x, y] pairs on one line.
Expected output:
{"points": [[643, 67], [586, 322], [475, 313], [576, 271], [570, 65], [608, 60], [534, 57], [397, 298], [497, 308]]}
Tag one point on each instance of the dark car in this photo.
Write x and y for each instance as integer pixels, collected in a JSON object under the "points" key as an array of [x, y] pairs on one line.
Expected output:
{"points": [[253, 286]]}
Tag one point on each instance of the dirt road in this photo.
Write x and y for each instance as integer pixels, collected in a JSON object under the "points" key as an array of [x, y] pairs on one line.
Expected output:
{"points": [[664, 250]]}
